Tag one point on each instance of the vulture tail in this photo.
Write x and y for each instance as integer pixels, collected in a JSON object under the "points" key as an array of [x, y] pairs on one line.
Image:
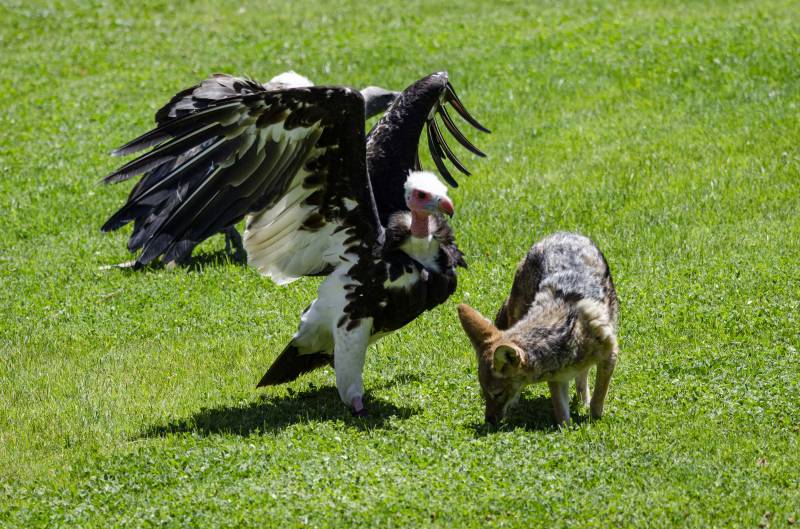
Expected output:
{"points": [[291, 364]]}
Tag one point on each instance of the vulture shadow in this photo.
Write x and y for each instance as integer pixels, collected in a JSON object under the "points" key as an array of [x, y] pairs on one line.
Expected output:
{"points": [[195, 263], [531, 414], [272, 414], [398, 380], [214, 259]]}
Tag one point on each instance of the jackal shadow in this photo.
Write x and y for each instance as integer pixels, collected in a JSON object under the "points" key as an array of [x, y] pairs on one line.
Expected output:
{"points": [[533, 412], [271, 414]]}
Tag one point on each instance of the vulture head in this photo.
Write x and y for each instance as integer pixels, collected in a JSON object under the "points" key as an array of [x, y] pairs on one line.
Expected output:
{"points": [[425, 196]]}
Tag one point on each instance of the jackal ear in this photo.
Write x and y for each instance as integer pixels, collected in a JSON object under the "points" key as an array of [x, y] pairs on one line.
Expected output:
{"points": [[479, 329], [506, 356]]}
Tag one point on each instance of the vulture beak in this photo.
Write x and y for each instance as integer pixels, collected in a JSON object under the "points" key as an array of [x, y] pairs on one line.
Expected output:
{"points": [[443, 205]]}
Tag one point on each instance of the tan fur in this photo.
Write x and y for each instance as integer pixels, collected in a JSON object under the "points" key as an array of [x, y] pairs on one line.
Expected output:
{"points": [[545, 332]]}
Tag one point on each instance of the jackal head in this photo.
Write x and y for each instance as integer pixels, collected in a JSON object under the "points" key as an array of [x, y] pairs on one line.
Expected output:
{"points": [[501, 363]]}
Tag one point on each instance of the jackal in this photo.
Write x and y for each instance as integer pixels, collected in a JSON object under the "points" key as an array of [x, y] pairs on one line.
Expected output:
{"points": [[559, 320]]}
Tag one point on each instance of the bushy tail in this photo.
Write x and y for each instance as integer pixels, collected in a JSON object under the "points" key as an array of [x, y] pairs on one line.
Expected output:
{"points": [[290, 364], [596, 318]]}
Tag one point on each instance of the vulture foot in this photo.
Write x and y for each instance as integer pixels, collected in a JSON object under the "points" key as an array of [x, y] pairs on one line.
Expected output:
{"points": [[358, 407]]}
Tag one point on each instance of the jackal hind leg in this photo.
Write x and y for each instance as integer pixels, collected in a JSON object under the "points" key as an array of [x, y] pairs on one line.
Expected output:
{"points": [[605, 368], [582, 388]]}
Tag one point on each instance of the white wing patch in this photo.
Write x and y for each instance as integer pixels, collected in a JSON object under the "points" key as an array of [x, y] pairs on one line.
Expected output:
{"points": [[275, 243]]}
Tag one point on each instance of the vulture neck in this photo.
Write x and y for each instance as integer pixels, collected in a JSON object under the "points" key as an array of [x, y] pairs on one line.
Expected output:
{"points": [[420, 224]]}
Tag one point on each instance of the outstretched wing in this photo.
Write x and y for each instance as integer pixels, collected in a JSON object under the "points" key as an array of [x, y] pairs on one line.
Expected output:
{"points": [[294, 158], [190, 100], [436, 143], [393, 144]]}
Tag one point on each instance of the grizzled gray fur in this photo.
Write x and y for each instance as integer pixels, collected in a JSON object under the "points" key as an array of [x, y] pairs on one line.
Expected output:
{"points": [[559, 320]]}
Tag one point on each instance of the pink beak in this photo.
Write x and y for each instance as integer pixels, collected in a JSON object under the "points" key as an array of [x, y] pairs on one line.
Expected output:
{"points": [[445, 206]]}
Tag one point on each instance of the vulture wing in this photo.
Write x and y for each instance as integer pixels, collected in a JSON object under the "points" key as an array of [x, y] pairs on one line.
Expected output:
{"points": [[436, 143], [393, 144], [293, 159]]}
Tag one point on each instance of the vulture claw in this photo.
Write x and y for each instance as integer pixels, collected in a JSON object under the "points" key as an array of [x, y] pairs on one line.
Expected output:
{"points": [[358, 407]]}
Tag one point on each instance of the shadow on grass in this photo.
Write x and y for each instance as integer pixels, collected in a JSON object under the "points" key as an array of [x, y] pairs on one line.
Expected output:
{"points": [[214, 259], [196, 263], [273, 414], [398, 380], [532, 414]]}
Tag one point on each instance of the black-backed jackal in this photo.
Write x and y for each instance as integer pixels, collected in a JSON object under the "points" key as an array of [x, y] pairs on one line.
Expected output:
{"points": [[559, 320]]}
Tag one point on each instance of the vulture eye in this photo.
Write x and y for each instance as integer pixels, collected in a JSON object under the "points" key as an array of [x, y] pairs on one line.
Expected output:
{"points": [[422, 194]]}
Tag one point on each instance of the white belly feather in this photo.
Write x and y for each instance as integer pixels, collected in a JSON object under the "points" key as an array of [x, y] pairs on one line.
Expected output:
{"points": [[423, 250]]}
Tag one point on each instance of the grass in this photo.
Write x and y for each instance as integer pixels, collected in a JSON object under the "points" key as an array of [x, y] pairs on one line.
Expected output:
{"points": [[667, 131]]}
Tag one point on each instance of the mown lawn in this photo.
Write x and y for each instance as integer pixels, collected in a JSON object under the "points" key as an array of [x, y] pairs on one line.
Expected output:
{"points": [[667, 131]]}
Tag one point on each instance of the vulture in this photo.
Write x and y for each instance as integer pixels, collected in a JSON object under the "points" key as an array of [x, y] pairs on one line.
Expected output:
{"points": [[146, 213], [321, 198]]}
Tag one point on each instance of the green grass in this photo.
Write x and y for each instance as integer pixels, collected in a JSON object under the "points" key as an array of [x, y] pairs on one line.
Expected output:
{"points": [[667, 131]]}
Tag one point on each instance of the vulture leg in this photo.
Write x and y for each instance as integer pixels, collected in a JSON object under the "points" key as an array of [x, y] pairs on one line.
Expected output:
{"points": [[233, 244], [349, 352]]}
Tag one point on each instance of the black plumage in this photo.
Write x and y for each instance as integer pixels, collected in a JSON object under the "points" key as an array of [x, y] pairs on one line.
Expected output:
{"points": [[321, 198], [393, 144], [168, 177]]}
